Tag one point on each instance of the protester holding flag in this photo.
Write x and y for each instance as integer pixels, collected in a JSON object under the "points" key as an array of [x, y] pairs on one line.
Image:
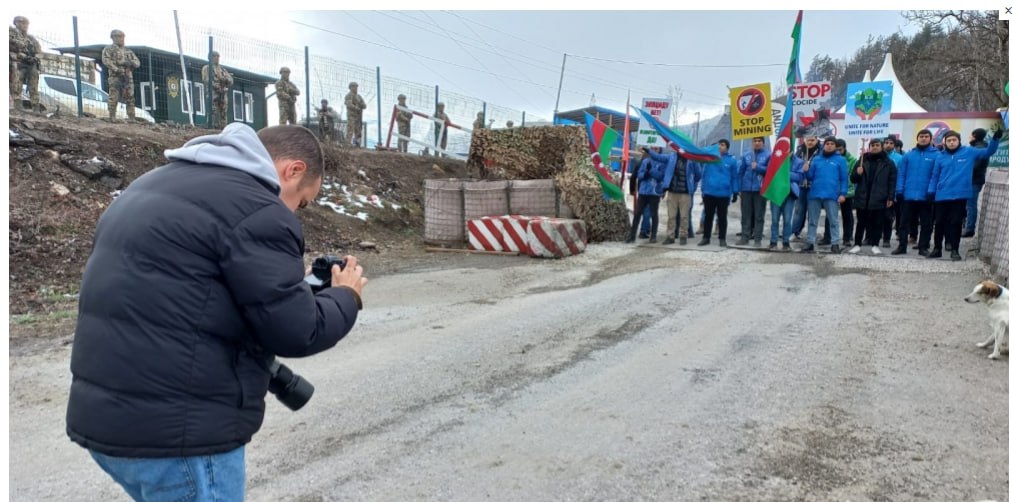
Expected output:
{"points": [[634, 169], [785, 211], [803, 155], [828, 176], [720, 181], [875, 191], [751, 171], [677, 180], [951, 185], [650, 188], [912, 177]]}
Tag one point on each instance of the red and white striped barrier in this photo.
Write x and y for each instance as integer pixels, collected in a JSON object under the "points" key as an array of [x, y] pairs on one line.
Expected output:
{"points": [[498, 233], [537, 236], [556, 237]]}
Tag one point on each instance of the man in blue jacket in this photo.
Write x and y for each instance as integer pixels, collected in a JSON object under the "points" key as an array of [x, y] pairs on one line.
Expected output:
{"points": [[676, 183], [979, 177], [720, 181], [892, 214], [827, 174], [785, 211], [913, 175], [806, 151], [951, 185], [650, 189], [751, 171], [194, 284]]}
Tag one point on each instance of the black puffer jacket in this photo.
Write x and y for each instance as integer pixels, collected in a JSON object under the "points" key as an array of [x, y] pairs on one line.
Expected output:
{"points": [[878, 183], [980, 165], [193, 262]]}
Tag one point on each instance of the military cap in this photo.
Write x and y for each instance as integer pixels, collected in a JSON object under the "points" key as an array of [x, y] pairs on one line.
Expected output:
{"points": [[116, 33], [353, 84], [284, 69], [215, 54], [20, 18], [401, 96]]}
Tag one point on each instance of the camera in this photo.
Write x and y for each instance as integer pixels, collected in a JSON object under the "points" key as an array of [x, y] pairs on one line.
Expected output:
{"points": [[319, 278], [291, 389]]}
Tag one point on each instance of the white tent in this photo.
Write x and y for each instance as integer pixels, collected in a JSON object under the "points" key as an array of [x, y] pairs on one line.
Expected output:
{"points": [[902, 102]]}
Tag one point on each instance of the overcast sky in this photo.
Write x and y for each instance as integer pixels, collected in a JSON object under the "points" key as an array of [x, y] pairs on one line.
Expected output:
{"points": [[514, 58]]}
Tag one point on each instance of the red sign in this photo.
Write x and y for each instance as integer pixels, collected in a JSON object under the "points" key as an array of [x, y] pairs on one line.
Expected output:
{"points": [[751, 101]]}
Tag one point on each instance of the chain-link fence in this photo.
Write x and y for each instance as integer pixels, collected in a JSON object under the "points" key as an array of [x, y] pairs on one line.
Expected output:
{"points": [[993, 226], [161, 87]]}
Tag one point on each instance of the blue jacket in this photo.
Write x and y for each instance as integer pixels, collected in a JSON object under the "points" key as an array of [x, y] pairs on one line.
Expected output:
{"points": [[914, 173], [752, 181], [650, 178], [696, 175], [828, 176], [670, 161], [952, 177], [721, 179], [895, 157]]}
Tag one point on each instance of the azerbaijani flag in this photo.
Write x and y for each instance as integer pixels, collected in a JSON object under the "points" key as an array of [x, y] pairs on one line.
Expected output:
{"points": [[602, 139], [680, 143], [777, 183]]}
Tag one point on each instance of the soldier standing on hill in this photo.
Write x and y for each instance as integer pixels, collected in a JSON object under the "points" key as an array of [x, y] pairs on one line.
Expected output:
{"points": [[325, 115], [441, 128], [120, 64], [403, 124], [24, 57], [355, 104], [222, 83], [287, 95]]}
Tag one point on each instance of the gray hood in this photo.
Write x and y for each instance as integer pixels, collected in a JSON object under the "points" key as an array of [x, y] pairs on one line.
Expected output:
{"points": [[236, 147]]}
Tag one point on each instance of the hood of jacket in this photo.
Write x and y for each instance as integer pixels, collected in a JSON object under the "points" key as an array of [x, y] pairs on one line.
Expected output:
{"points": [[236, 147]]}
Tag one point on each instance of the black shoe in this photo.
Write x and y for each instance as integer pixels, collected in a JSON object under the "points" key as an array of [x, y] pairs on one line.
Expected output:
{"points": [[823, 242], [809, 248], [967, 233], [955, 256], [902, 249], [741, 242], [653, 240], [835, 249], [786, 246], [935, 253], [773, 246], [886, 244], [704, 242], [630, 240], [682, 241], [644, 236], [667, 241], [948, 247], [922, 252], [723, 243], [692, 235], [848, 244]]}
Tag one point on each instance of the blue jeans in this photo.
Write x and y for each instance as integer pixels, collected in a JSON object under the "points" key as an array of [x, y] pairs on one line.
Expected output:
{"points": [[208, 478], [971, 210], [786, 212], [832, 207], [800, 212], [647, 219]]}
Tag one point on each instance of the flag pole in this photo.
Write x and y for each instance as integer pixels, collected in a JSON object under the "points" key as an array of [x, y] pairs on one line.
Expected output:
{"points": [[625, 141]]}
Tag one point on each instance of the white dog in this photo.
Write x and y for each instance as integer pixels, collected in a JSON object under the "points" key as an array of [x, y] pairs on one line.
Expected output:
{"points": [[995, 297]]}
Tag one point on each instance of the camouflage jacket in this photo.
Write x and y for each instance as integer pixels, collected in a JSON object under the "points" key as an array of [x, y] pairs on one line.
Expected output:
{"points": [[354, 103], [119, 60], [326, 117], [404, 117], [286, 91], [222, 78], [24, 48]]}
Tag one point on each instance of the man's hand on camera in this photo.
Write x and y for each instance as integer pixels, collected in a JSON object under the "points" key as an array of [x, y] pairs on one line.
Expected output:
{"points": [[351, 277]]}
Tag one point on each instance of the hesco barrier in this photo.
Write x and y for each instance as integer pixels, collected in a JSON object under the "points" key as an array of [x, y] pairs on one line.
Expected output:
{"points": [[450, 203], [991, 240]]}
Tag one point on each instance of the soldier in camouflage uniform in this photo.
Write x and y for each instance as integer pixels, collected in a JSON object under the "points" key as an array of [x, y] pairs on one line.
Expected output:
{"points": [[287, 95], [326, 116], [355, 104], [222, 83], [441, 128], [479, 122], [403, 124], [24, 58], [120, 64]]}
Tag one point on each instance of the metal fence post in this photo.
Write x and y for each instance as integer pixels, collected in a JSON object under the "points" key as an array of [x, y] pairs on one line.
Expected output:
{"points": [[309, 100], [379, 108], [77, 71], [211, 112]]}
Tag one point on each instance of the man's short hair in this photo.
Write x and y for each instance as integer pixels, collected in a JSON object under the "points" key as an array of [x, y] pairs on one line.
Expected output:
{"points": [[760, 138], [830, 139], [889, 139], [841, 143], [950, 132], [293, 142], [924, 131], [875, 141], [725, 142]]}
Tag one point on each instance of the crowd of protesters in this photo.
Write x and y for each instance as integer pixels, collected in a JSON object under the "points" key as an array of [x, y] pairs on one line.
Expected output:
{"points": [[927, 195]]}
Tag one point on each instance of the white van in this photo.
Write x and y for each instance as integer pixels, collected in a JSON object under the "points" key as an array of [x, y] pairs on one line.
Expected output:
{"points": [[60, 94]]}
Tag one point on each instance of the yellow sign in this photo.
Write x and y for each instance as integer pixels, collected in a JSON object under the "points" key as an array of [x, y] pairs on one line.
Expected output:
{"points": [[173, 82], [751, 113]]}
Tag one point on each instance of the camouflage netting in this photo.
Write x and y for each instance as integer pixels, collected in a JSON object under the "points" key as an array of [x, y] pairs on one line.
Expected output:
{"points": [[558, 153]]}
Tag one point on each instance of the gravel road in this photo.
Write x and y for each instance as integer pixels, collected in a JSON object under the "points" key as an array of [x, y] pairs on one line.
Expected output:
{"points": [[626, 373]]}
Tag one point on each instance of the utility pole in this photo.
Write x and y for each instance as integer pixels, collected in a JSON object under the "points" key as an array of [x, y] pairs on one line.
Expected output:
{"points": [[559, 94], [695, 136]]}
